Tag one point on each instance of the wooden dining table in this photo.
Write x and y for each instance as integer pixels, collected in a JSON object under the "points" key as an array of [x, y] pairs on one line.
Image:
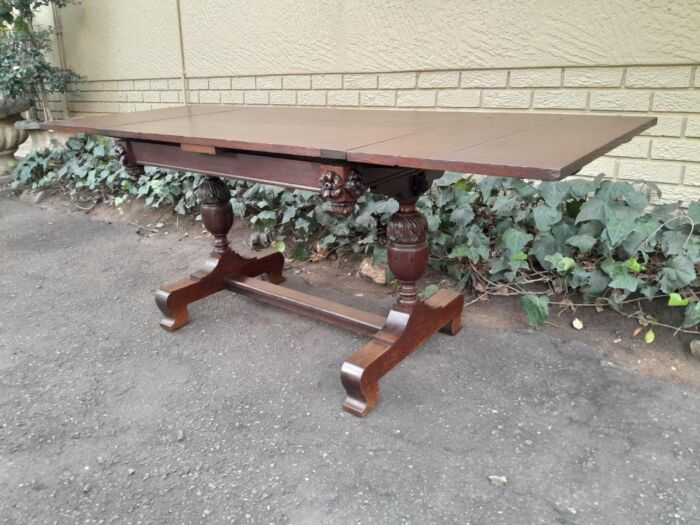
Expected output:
{"points": [[342, 153]]}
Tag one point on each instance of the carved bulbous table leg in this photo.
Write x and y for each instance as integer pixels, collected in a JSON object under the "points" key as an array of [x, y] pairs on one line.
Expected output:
{"points": [[217, 215], [410, 322], [408, 251]]}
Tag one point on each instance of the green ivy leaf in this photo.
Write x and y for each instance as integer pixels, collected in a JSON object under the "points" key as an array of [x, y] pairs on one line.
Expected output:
{"points": [[677, 274], [563, 230], [504, 205], [238, 207], [625, 282], [584, 243], [675, 299], [328, 240], [648, 291], [448, 179], [643, 238], [598, 284], [289, 214], [476, 247], [445, 197], [634, 265], [673, 242], [592, 210], [545, 217], [536, 309], [694, 212], [543, 245], [280, 246], [649, 336], [617, 230], [692, 315], [462, 216], [300, 223], [560, 263], [580, 188], [433, 222], [553, 193], [515, 239], [580, 278]]}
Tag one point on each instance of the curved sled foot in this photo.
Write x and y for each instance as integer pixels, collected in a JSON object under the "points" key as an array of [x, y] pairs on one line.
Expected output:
{"points": [[361, 397], [172, 299], [174, 317], [402, 333]]}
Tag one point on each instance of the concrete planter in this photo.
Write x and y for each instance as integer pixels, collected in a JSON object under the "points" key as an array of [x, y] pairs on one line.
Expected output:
{"points": [[38, 138], [10, 136], [10, 140]]}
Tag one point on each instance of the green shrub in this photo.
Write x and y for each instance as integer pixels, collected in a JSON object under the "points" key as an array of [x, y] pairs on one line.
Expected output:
{"points": [[598, 237]]}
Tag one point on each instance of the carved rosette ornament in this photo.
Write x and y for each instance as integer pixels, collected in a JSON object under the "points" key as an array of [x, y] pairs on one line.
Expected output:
{"points": [[124, 157], [120, 151], [331, 185], [342, 186], [355, 185]]}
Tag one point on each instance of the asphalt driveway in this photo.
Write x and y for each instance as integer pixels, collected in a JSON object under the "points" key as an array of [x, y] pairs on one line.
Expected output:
{"points": [[106, 418]]}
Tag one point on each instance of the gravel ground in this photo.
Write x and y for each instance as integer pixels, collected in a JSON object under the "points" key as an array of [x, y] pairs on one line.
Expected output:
{"points": [[106, 418]]}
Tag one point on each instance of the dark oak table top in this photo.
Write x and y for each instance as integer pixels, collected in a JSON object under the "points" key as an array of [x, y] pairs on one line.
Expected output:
{"points": [[522, 145]]}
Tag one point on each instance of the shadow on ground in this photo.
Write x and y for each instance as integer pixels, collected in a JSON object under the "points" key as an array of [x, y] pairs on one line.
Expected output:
{"points": [[104, 416]]}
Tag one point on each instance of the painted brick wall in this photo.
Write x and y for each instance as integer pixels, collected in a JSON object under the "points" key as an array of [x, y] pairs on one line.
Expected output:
{"points": [[668, 154]]}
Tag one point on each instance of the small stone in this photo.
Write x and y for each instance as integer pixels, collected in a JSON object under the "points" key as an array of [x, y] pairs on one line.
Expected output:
{"points": [[376, 273], [181, 435], [86, 489], [695, 348], [131, 472], [499, 481]]}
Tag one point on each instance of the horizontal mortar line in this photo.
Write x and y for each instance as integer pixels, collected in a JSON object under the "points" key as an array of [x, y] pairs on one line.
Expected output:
{"points": [[416, 71]]}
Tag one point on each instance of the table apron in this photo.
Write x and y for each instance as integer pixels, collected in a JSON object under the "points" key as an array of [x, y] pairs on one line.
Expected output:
{"points": [[290, 173]]}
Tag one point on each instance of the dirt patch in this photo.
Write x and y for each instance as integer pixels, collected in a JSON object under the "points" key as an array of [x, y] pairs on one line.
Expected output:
{"points": [[617, 337]]}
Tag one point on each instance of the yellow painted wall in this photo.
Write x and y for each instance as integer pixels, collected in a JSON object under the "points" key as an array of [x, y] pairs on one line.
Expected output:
{"points": [[108, 39]]}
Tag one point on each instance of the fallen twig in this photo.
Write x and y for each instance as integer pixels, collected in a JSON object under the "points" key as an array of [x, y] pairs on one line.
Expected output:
{"points": [[142, 227]]}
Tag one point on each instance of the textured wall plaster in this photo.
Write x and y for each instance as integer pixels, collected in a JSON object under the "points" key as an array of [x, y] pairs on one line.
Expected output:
{"points": [[107, 39], [225, 37]]}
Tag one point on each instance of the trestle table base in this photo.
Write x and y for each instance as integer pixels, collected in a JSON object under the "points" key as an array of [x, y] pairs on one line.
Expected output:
{"points": [[410, 322]]}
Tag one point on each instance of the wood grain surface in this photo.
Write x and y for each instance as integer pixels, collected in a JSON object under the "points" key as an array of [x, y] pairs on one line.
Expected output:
{"points": [[523, 145]]}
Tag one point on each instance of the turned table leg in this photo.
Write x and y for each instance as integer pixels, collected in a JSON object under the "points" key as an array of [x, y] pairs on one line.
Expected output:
{"points": [[217, 216], [410, 322]]}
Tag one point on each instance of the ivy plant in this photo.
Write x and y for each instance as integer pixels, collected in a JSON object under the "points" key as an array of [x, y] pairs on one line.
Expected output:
{"points": [[598, 237]]}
